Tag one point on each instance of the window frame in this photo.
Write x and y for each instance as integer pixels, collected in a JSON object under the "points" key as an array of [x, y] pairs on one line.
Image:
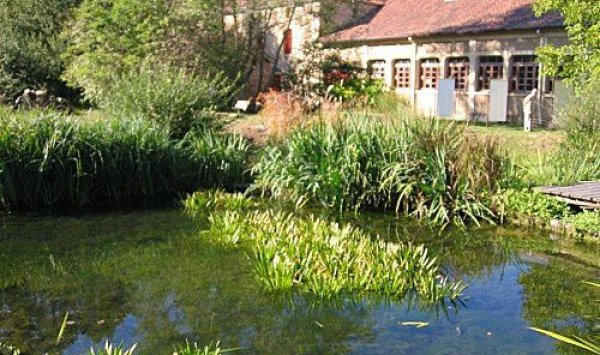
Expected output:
{"points": [[402, 73], [459, 68], [429, 70], [377, 69], [490, 67], [524, 74]]}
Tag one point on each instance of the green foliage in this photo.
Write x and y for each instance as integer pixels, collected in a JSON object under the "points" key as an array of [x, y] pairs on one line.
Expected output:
{"points": [[586, 224], [202, 202], [331, 260], [417, 166], [364, 90], [580, 59], [533, 205], [195, 349], [578, 158], [575, 341], [111, 37], [6, 349], [30, 46], [51, 161], [111, 349], [170, 97]]}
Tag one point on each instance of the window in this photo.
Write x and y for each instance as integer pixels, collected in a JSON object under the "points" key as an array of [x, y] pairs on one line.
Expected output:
{"points": [[524, 73], [458, 69], [489, 68], [377, 69], [402, 73], [430, 71], [287, 42]]}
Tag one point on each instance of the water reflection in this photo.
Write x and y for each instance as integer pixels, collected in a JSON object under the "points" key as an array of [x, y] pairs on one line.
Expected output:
{"points": [[148, 278]]}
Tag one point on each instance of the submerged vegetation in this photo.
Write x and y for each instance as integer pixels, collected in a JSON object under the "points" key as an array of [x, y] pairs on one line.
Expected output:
{"points": [[53, 161], [417, 166], [322, 258]]}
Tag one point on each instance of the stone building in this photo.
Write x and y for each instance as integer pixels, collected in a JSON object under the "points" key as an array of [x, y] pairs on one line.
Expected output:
{"points": [[291, 25], [467, 59]]}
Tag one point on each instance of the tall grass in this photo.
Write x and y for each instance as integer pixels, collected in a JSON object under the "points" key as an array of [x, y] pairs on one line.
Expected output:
{"points": [[179, 100], [51, 161], [417, 166]]}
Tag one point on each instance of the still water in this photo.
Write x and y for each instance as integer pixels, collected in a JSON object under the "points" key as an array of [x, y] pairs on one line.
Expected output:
{"points": [[149, 278]]}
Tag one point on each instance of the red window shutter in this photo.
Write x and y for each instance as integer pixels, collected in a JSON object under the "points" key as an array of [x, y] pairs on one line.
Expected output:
{"points": [[287, 42]]}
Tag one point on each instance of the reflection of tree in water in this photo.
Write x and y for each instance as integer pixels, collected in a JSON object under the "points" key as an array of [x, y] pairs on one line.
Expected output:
{"points": [[555, 298]]}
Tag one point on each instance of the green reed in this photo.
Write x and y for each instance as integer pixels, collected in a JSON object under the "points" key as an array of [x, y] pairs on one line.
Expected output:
{"points": [[422, 167], [52, 161], [325, 259]]}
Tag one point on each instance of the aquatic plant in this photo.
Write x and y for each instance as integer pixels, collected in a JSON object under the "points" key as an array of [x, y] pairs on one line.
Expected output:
{"points": [[9, 349], [533, 205], [51, 161], [586, 224], [330, 260], [111, 349], [195, 349], [576, 341], [421, 167], [202, 202]]}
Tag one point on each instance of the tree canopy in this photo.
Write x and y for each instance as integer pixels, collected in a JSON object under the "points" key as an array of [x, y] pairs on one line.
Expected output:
{"points": [[580, 60]]}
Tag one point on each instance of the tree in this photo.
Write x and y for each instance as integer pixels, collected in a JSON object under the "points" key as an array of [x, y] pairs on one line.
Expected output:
{"points": [[30, 45], [580, 60], [110, 37]]}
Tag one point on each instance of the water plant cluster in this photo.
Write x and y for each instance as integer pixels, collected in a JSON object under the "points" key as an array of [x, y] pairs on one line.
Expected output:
{"points": [[322, 258], [417, 166], [52, 161]]}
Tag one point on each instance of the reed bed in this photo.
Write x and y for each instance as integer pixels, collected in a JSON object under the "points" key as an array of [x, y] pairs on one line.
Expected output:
{"points": [[329, 260], [417, 166], [51, 161], [318, 257]]}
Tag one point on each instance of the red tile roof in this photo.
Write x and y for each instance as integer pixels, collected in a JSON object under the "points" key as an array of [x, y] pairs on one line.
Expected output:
{"points": [[399, 19]]}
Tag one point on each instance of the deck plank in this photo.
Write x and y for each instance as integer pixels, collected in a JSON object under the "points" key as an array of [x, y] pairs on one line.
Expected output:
{"points": [[583, 194]]}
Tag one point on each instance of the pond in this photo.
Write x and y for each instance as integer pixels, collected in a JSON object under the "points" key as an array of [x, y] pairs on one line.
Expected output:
{"points": [[147, 277]]}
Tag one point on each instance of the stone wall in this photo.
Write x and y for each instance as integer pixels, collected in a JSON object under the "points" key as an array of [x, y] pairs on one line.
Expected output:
{"points": [[471, 104]]}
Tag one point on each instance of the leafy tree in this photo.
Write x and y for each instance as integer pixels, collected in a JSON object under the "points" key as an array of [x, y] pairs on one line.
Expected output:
{"points": [[111, 37], [580, 60], [30, 45]]}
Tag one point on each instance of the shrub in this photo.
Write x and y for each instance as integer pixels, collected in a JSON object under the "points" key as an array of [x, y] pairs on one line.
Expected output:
{"points": [[330, 260], [51, 161], [170, 97], [532, 205], [578, 157], [586, 224], [30, 46], [425, 168]]}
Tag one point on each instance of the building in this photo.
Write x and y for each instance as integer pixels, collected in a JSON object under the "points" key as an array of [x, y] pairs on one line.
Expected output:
{"points": [[467, 59], [291, 24]]}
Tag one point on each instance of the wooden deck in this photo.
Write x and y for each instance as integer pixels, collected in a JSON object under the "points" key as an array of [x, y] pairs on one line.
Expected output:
{"points": [[585, 194]]}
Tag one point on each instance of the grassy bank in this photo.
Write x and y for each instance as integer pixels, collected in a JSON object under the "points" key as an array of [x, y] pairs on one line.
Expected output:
{"points": [[52, 161]]}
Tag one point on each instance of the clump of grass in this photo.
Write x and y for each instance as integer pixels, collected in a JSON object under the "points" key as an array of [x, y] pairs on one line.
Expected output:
{"points": [[417, 166], [195, 349], [202, 202], [53, 161], [330, 260], [111, 349]]}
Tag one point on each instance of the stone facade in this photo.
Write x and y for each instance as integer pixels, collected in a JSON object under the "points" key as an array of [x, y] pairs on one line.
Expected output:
{"points": [[472, 102]]}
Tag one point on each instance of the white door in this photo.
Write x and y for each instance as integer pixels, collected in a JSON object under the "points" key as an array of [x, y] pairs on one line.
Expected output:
{"points": [[446, 97], [498, 111]]}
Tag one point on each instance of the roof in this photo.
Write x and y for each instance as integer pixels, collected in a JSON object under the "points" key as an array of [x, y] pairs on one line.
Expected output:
{"points": [[399, 19]]}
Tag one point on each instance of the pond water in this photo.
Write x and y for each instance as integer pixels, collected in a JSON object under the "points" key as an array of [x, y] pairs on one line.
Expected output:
{"points": [[149, 278]]}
